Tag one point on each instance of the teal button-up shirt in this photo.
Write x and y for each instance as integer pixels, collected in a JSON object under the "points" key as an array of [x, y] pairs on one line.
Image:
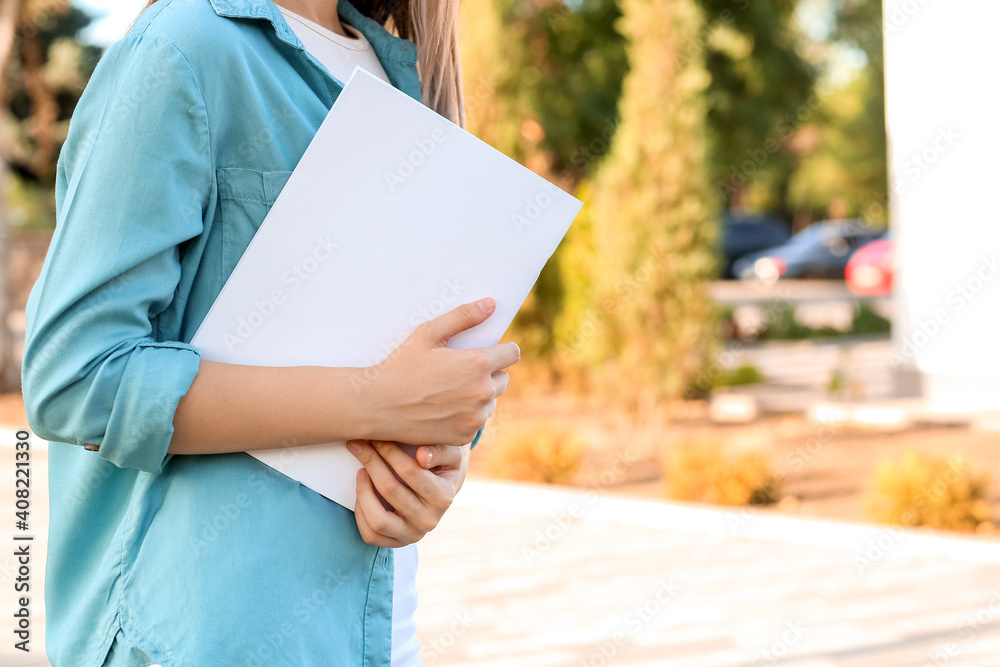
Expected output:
{"points": [[181, 142]]}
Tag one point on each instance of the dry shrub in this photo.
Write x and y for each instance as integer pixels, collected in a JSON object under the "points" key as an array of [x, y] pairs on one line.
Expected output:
{"points": [[937, 493], [706, 473], [536, 452]]}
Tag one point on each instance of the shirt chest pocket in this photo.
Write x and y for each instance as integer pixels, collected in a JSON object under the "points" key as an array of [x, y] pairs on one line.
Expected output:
{"points": [[245, 197]]}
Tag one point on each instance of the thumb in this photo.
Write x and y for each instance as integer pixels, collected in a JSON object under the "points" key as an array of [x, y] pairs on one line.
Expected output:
{"points": [[442, 328]]}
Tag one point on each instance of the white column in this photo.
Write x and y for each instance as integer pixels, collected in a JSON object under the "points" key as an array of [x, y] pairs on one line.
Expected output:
{"points": [[943, 115]]}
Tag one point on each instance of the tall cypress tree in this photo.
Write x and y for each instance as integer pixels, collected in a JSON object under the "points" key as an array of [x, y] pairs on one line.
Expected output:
{"points": [[647, 239]]}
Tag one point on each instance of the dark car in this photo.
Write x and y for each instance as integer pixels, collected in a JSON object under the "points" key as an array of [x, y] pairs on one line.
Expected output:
{"points": [[745, 234], [821, 250]]}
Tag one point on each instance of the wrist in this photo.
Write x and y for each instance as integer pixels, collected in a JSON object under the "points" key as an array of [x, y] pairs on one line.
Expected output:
{"points": [[368, 405]]}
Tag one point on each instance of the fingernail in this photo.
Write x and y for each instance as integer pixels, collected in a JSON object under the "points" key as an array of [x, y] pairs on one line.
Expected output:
{"points": [[486, 304], [361, 475], [429, 458], [354, 447]]}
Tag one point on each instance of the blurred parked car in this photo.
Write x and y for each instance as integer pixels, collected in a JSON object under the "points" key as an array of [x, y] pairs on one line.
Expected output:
{"points": [[870, 270], [745, 234], [821, 250]]}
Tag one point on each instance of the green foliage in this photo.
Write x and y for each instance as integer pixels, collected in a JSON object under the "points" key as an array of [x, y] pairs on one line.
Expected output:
{"points": [[492, 56], [760, 95], [579, 61], [543, 80], [867, 321], [542, 83], [706, 473], [850, 161], [43, 81], [781, 324], [925, 491], [649, 236], [738, 377], [30, 205], [536, 452], [836, 383], [45, 78]]}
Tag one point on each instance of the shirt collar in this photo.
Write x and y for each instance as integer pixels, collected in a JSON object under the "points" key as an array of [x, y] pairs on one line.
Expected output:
{"points": [[385, 44]]}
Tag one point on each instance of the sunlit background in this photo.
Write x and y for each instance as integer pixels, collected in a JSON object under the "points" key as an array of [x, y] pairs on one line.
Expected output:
{"points": [[760, 366]]}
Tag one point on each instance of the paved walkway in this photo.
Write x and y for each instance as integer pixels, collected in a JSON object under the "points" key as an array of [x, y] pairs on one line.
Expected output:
{"points": [[526, 576], [530, 576]]}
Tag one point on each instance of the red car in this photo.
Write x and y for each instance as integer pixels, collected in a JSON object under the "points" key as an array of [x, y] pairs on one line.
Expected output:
{"points": [[870, 270]]}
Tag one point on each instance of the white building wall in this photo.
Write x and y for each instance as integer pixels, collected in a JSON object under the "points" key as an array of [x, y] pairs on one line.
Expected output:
{"points": [[943, 114]]}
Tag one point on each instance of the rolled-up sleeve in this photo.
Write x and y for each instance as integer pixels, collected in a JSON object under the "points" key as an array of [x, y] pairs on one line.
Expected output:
{"points": [[134, 181]]}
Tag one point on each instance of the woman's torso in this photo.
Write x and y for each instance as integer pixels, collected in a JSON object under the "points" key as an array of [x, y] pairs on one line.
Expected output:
{"points": [[217, 560]]}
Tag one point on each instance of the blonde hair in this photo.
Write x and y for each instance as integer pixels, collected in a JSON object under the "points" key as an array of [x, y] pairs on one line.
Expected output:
{"points": [[433, 26]]}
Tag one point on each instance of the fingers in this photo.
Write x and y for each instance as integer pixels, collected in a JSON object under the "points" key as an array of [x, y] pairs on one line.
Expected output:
{"points": [[377, 525], [439, 457], [501, 356], [383, 526], [501, 383], [383, 471], [466, 316], [426, 495]]}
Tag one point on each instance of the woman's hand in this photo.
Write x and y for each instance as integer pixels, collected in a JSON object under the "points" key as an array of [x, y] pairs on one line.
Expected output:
{"points": [[418, 490], [426, 393]]}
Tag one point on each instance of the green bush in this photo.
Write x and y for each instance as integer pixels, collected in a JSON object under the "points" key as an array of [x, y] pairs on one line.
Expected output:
{"points": [[867, 321], [924, 491], [649, 324], [780, 323], [738, 377], [706, 473]]}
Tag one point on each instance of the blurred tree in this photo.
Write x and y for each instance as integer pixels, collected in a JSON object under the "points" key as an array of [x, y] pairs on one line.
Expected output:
{"points": [[859, 23], [43, 70], [44, 83], [543, 78], [646, 240], [760, 96], [9, 12], [579, 61], [492, 58], [542, 81], [849, 164]]}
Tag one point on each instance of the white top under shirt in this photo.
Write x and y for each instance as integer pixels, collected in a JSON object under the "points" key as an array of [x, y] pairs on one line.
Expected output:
{"points": [[340, 55]]}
